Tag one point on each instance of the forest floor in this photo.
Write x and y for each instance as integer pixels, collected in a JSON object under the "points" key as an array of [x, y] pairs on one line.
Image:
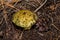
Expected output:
{"points": [[46, 28]]}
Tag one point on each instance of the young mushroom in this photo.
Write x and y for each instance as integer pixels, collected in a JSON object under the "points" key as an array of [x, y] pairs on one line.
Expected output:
{"points": [[24, 18]]}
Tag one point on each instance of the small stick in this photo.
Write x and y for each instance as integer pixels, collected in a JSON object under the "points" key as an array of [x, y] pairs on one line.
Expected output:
{"points": [[59, 36], [55, 27], [40, 6], [40, 34], [16, 2], [11, 6], [1, 21], [20, 37], [5, 16]]}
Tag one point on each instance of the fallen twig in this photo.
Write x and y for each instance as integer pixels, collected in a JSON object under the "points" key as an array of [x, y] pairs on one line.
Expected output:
{"points": [[2, 2], [17, 2], [59, 36], [40, 34], [1, 21], [8, 4], [40, 6], [50, 18], [5, 16], [20, 37], [55, 27]]}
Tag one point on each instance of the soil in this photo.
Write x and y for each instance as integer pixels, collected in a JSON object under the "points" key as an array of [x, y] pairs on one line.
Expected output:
{"points": [[47, 26]]}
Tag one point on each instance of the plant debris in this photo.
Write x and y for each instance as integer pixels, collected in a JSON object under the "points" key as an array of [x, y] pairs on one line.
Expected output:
{"points": [[47, 27]]}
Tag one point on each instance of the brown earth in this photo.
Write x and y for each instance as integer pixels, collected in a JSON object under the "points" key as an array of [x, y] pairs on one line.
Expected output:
{"points": [[46, 28]]}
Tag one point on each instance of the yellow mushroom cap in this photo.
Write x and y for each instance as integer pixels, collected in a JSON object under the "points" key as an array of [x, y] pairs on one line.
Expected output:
{"points": [[24, 19]]}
